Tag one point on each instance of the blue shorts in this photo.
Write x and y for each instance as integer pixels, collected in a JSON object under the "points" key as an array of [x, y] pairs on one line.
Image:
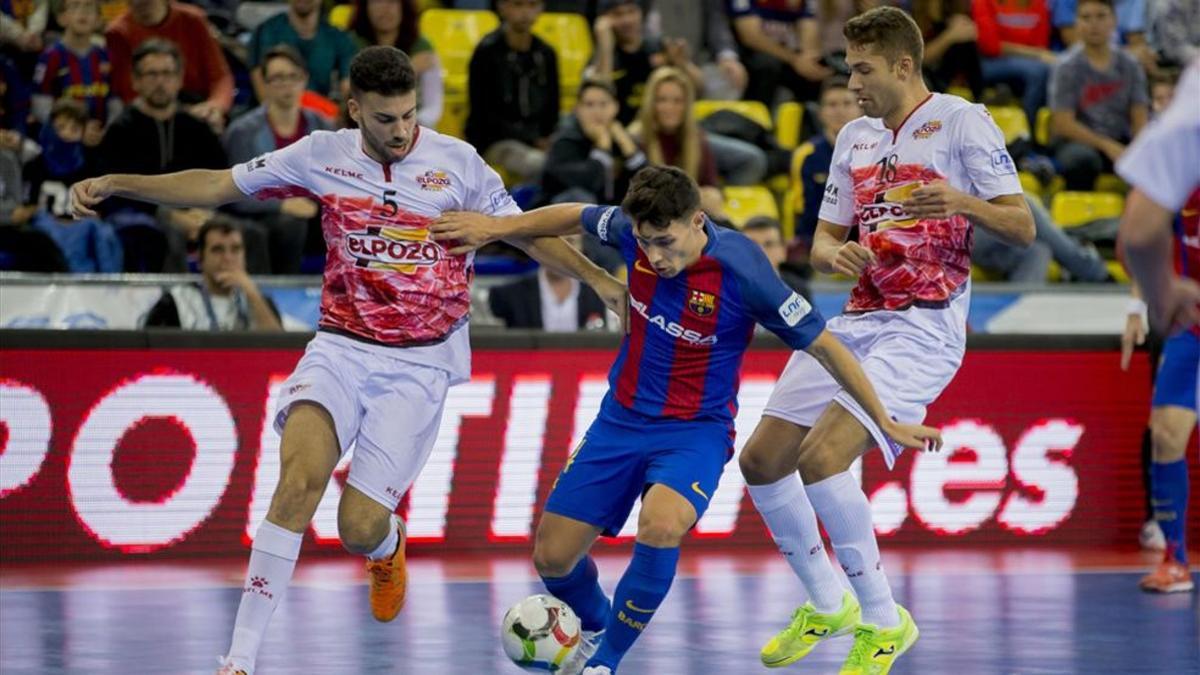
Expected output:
{"points": [[1176, 381], [625, 452]]}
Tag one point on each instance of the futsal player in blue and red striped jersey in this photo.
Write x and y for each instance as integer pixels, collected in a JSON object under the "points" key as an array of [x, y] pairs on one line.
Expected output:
{"points": [[666, 427], [76, 66]]}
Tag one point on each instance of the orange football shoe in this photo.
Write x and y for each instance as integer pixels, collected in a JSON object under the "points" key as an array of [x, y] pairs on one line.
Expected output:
{"points": [[1171, 576], [389, 581]]}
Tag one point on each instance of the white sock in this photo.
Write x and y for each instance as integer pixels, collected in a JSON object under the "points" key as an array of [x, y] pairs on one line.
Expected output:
{"points": [[844, 510], [387, 547], [272, 560], [790, 518]]}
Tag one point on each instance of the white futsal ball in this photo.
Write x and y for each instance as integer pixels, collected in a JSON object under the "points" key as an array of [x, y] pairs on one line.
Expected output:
{"points": [[540, 633]]}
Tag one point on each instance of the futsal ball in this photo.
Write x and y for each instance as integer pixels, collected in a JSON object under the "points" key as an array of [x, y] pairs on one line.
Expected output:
{"points": [[540, 633]]}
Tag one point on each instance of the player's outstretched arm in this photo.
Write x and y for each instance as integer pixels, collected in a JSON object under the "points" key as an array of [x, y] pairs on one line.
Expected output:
{"points": [[469, 231], [841, 364], [566, 259], [1145, 237], [192, 188], [1006, 216]]}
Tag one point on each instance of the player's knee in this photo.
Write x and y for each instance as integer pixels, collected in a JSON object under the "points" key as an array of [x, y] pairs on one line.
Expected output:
{"points": [[359, 535], [816, 462], [552, 563], [760, 467], [1169, 445], [296, 497], [661, 531]]}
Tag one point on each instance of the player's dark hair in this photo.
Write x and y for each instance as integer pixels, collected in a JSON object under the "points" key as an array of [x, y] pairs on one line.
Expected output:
{"points": [[1106, 3], [1165, 76], [383, 70], [287, 53], [892, 31], [659, 195], [60, 6], [157, 46], [833, 82], [219, 224]]}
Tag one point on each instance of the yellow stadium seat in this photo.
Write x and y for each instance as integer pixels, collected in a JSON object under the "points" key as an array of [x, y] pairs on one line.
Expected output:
{"points": [[789, 116], [1012, 122], [571, 38], [1030, 182], [454, 34], [788, 222], [454, 116], [961, 92], [1117, 270], [1108, 182], [745, 202], [1042, 128], [980, 274], [340, 16], [1072, 209], [755, 110]]}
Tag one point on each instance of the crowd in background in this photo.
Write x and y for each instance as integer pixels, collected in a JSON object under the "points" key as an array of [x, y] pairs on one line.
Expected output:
{"points": [[153, 86]]}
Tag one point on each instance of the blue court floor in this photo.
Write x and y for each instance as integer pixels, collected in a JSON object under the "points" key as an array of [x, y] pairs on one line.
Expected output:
{"points": [[980, 612]]}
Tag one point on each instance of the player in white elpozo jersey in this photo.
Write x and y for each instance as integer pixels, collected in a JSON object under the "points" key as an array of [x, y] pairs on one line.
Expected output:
{"points": [[1163, 166], [393, 329], [915, 175]]}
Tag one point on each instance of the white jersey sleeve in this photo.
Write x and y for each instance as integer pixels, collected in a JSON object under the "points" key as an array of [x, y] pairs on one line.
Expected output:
{"points": [[990, 169], [284, 168], [486, 193], [837, 204], [1164, 161]]}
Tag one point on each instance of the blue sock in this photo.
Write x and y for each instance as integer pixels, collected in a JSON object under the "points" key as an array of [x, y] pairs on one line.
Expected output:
{"points": [[1169, 485], [638, 595], [581, 590]]}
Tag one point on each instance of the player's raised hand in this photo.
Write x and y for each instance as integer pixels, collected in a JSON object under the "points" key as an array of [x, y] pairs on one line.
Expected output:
{"points": [[86, 194], [916, 436], [1133, 337], [465, 230], [852, 259], [936, 200]]}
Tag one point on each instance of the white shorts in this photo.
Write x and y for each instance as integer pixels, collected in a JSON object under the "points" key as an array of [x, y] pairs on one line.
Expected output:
{"points": [[387, 408], [909, 356]]}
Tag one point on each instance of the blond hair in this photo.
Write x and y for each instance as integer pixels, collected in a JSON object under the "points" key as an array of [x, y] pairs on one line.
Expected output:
{"points": [[646, 126]]}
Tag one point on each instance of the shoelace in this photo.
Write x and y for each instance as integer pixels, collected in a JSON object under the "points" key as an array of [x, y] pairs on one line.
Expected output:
{"points": [[863, 643], [797, 625]]}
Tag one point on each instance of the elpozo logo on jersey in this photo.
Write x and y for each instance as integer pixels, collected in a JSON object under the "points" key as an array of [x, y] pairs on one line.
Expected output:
{"points": [[927, 130], [887, 211], [392, 249], [434, 179]]}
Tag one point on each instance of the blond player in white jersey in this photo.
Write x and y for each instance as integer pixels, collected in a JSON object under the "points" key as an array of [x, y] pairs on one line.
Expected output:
{"points": [[393, 329], [915, 175]]}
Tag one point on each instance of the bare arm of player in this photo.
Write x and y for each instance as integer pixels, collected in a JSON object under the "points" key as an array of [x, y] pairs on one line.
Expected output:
{"points": [[832, 254], [1006, 216], [195, 187], [841, 364], [469, 231], [1145, 234], [557, 254]]}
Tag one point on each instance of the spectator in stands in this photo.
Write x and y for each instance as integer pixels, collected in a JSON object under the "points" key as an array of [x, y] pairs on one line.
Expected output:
{"points": [[707, 33], [514, 93], [394, 23], [67, 157], [152, 136], [1176, 30], [76, 67], [22, 25], [225, 298], [22, 248], [951, 55], [1029, 264], [1162, 90], [781, 47], [667, 132], [767, 233], [1099, 97], [549, 301], [810, 161], [1014, 39], [276, 124], [15, 93], [626, 56], [206, 88], [592, 157], [1131, 30], [326, 50]]}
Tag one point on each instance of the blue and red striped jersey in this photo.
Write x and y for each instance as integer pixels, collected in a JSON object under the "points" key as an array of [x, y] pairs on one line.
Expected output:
{"points": [[61, 73], [688, 334]]}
